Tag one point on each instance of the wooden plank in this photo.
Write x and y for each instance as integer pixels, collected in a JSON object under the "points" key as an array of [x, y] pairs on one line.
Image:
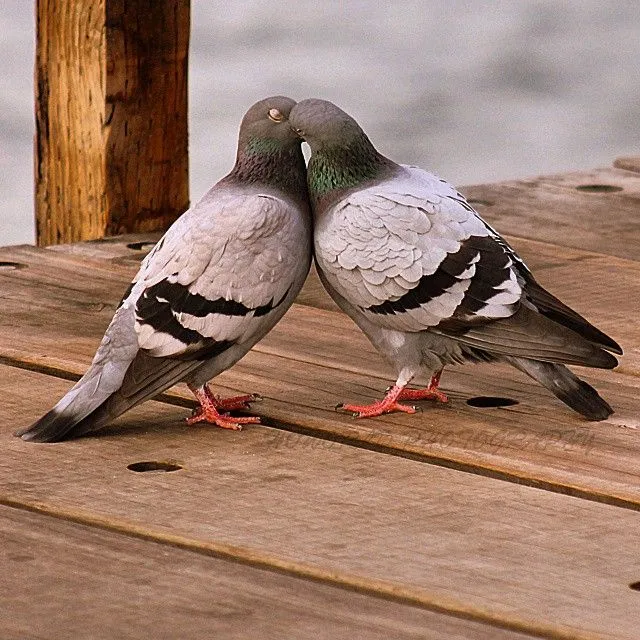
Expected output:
{"points": [[314, 359], [66, 580], [630, 163], [593, 210], [492, 551], [111, 116]]}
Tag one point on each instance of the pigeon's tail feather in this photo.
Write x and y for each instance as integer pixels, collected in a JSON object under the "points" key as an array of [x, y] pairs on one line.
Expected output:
{"points": [[162, 373], [565, 385], [554, 309], [116, 352], [87, 407], [119, 377], [82, 401]]}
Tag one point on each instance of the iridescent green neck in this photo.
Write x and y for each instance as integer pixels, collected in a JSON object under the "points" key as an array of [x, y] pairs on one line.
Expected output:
{"points": [[336, 169], [268, 161], [260, 146]]}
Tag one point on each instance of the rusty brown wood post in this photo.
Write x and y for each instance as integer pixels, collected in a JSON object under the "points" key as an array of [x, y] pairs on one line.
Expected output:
{"points": [[111, 117]]}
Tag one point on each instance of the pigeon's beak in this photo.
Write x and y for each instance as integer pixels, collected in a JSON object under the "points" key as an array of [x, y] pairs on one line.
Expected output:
{"points": [[298, 132]]}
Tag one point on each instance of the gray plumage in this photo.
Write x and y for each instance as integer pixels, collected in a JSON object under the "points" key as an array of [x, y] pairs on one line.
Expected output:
{"points": [[427, 280], [219, 279]]}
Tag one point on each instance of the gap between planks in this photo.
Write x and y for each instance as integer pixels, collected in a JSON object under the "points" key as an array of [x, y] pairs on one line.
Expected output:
{"points": [[484, 469], [93, 572], [386, 590]]}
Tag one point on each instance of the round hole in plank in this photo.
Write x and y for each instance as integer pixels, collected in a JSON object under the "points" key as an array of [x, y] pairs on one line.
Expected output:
{"points": [[474, 202], [11, 266], [490, 401], [599, 188], [141, 246], [635, 586], [142, 467]]}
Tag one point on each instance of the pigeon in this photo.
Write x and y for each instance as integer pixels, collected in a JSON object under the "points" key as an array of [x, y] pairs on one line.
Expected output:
{"points": [[218, 280], [427, 280]]}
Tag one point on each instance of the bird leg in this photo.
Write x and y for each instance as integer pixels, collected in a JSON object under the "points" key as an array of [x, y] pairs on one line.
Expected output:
{"points": [[388, 404], [211, 407], [430, 393]]}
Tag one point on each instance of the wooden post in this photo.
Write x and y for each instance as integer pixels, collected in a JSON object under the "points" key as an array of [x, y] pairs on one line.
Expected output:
{"points": [[111, 117]]}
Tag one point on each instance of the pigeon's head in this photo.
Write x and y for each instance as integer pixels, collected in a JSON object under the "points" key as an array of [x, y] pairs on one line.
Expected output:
{"points": [[267, 123], [323, 125]]}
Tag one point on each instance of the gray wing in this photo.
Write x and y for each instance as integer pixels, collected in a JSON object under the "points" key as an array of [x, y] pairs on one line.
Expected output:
{"points": [[412, 255]]}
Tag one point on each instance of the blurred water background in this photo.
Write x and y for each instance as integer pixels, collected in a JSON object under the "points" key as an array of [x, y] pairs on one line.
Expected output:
{"points": [[474, 91]]}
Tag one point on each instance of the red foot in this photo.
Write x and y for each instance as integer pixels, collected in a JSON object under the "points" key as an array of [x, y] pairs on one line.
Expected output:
{"points": [[223, 420], [210, 407], [236, 402], [387, 405], [226, 404], [430, 393]]}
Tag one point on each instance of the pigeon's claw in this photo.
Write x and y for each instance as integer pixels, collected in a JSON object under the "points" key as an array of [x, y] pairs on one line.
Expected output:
{"points": [[388, 404], [236, 402], [213, 409], [222, 420]]}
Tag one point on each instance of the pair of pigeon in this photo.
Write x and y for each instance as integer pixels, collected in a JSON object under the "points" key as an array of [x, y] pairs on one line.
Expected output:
{"points": [[399, 250]]}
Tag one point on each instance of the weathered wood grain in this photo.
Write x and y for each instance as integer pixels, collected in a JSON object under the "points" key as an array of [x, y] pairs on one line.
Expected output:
{"points": [[594, 210], [70, 140], [65, 580], [147, 158], [111, 116], [496, 552], [56, 310]]}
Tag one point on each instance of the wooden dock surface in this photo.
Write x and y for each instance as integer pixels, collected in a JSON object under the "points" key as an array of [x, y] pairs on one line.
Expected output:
{"points": [[461, 521]]}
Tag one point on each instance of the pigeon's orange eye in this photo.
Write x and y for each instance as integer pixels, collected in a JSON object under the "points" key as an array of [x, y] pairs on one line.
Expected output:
{"points": [[275, 115]]}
